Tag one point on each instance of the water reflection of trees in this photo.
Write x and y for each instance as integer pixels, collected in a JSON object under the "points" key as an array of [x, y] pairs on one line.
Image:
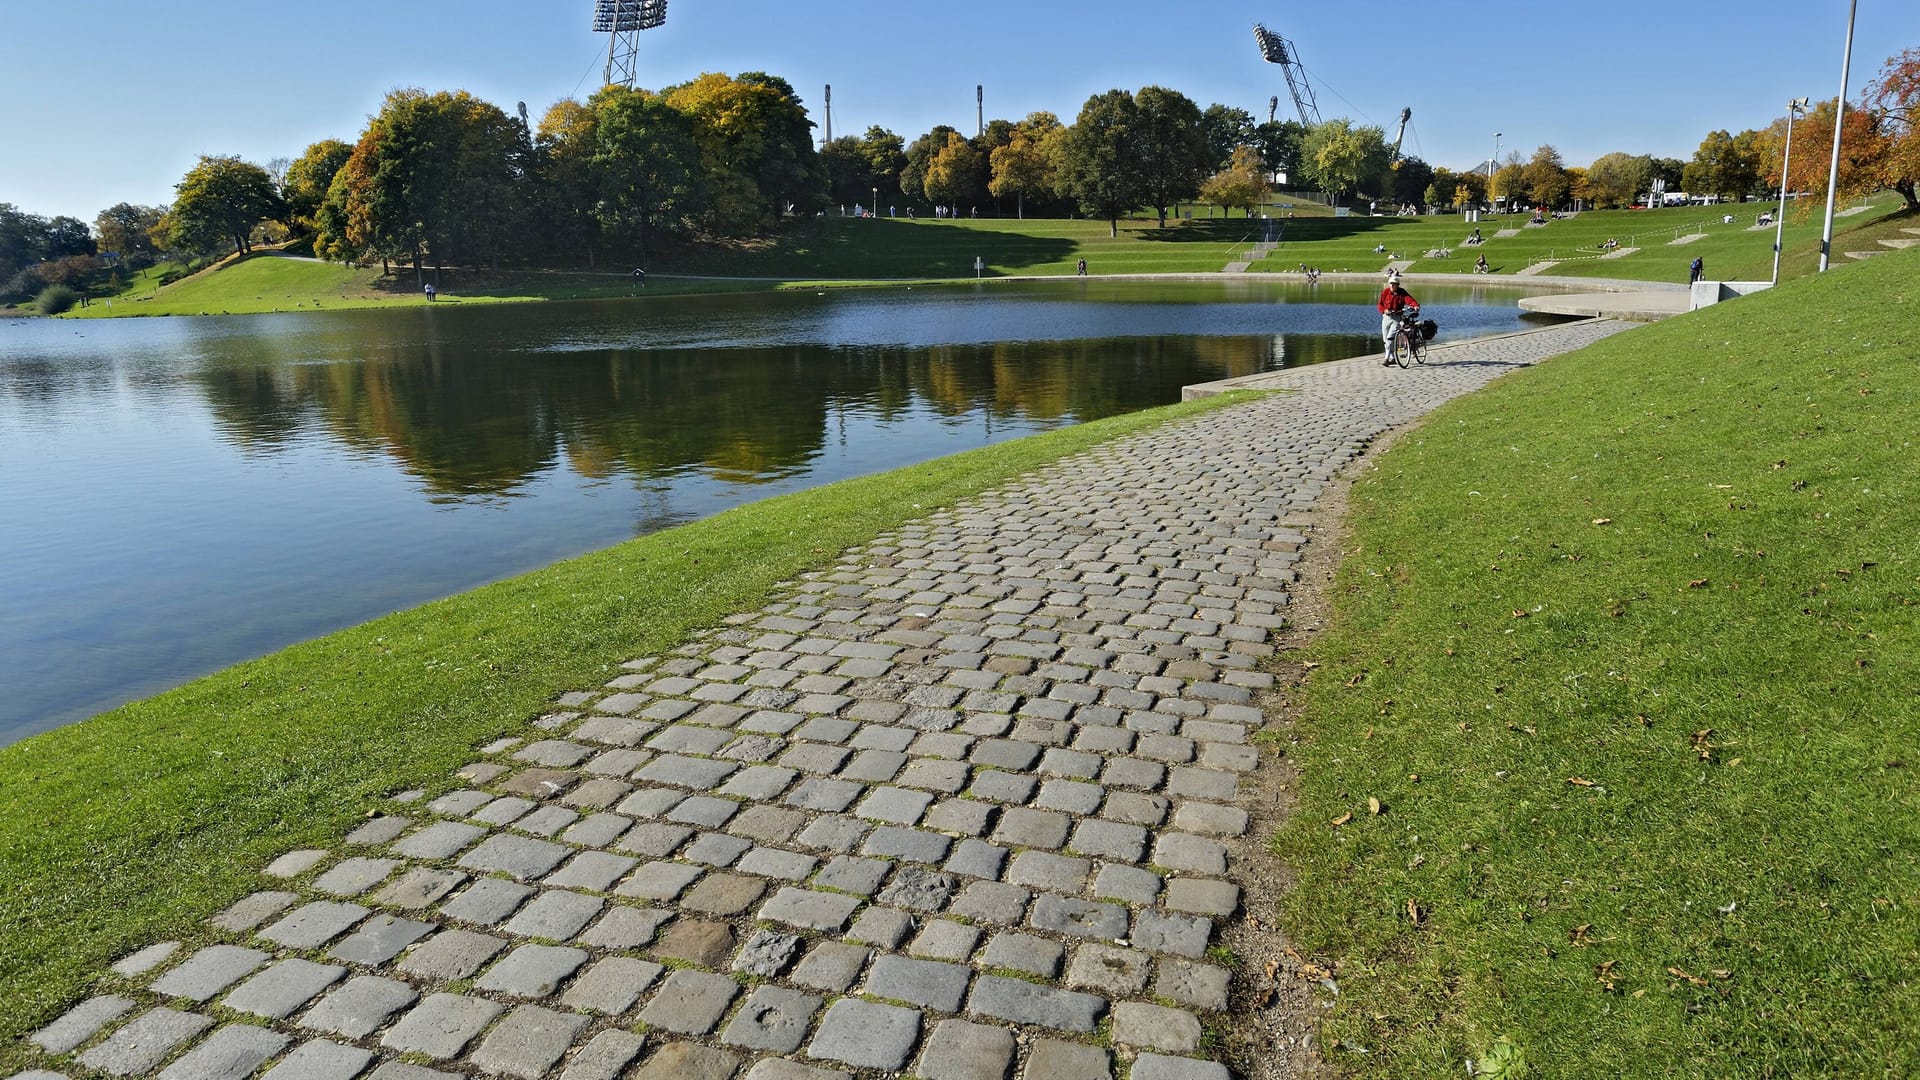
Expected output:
{"points": [[469, 419]]}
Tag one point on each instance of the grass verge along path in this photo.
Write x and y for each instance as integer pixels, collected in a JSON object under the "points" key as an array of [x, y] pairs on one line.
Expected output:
{"points": [[1610, 760], [135, 825]]}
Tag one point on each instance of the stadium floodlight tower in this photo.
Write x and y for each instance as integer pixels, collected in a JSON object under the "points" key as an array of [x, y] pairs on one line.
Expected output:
{"points": [[1275, 49], [622, 21]]}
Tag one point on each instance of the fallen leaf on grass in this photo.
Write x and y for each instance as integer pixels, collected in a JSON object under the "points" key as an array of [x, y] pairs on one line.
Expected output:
{"points": [[1343, 819], [1702, 744], [1699, 583], [1415, 912], [1373, 805], [1694, 979], [1604, 972], [1581, 782], [1578, 935], [1355, 681], [1603, 521], [1519, 614]]}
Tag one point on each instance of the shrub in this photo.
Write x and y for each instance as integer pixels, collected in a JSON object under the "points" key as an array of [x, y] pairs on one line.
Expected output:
{"points": [[55, 299]]}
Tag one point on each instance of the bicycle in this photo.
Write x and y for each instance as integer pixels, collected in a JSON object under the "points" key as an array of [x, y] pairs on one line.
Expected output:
{"points": [[1408, 341]]}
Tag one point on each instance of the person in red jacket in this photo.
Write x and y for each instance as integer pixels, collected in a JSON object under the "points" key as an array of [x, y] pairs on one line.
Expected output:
{"points": [[1393, 300]]}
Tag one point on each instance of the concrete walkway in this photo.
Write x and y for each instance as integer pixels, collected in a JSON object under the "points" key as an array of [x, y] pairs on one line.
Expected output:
{"points": [[964, 806]]}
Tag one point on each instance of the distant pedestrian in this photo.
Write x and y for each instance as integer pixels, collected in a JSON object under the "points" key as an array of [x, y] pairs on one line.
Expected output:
{"points": [[430, 292], [1696, 270], [639, 277], [1081, 268]]}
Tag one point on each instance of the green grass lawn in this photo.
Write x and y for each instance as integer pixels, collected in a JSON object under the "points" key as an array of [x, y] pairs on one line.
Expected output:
{"points": [[135, 825], [1627, 648], [846, 251]]}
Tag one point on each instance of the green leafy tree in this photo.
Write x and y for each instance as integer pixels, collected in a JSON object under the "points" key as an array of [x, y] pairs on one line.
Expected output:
{"points": [[23, 240], [1224, 129], [1579, 187], [1101, 158], [849, 176], [1341, 158], [886, 156], [913, 175], [1279, 144], [1026, 163], [567, 191], [126, 229], [36, 251], [1546, 178], [308, 177], [789, 172], [1242, 183], [756, 147], [997, 134], [1718, 167], [1173, 151], [219, 202], [1510, 183], [1410, 182], [952, 172], [1615, 180], [434, 177], [647, 164]]}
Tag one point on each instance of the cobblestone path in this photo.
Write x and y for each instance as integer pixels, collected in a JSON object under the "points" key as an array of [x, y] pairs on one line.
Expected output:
{"points": [[958, 807]]}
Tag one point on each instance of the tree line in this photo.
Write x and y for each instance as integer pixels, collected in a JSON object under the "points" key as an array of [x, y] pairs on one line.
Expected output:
{"points": [[444, 178]]}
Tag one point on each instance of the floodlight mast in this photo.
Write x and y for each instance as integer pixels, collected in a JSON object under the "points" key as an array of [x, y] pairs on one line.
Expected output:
{"points": [[622, 21], [1275, 49]]}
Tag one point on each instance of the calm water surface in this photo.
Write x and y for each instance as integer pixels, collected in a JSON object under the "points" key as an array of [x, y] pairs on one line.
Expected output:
{"points": [[177, 495]]}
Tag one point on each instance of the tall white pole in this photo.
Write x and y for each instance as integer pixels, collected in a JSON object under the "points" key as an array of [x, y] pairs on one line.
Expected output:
{"points": [[1839, 124], [1491, 162], [1786, 159]]}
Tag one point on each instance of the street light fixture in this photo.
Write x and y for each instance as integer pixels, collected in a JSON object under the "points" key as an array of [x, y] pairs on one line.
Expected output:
{"points": [[1794, 108]]}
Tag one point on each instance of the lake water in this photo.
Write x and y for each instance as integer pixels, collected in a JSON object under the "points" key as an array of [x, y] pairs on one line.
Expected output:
{"points": [[177, 495]]}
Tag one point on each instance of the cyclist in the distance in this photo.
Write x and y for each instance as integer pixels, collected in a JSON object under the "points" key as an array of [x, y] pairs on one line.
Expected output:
{"points": [[1394, 300]]}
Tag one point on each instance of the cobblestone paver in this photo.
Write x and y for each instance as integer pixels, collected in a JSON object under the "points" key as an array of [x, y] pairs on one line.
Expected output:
{"points": [[959, 806]]}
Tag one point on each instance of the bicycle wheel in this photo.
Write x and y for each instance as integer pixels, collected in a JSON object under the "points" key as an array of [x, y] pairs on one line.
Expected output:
{"points": [[1419, 343], [1402, 347]]}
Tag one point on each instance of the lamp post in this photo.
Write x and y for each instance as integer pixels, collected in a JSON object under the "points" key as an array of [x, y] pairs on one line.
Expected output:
{"points": [[876, 202], [1839, 124], [1786, 159], [1491, 162]]}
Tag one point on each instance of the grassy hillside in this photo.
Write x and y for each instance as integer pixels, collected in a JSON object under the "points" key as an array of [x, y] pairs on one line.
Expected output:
{"points": [[837, 250], [1628, 651]]}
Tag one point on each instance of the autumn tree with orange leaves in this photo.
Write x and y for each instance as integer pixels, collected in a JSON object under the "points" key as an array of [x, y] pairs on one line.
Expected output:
{"points": [[1894, 100]]}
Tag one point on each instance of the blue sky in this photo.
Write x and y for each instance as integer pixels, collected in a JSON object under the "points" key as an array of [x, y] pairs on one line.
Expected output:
{"points": [[111, 100]]}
